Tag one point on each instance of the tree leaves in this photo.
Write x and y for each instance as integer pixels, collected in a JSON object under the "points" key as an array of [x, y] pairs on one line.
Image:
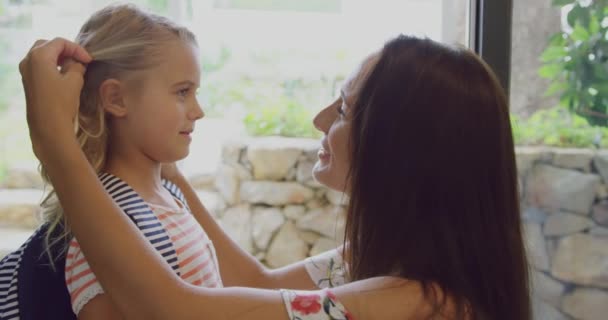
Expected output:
{"points": [[575, 61]]}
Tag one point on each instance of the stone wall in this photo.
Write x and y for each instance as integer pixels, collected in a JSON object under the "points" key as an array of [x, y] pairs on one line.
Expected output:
{"points": [[271, 205], [565, 209], [263, 194]]}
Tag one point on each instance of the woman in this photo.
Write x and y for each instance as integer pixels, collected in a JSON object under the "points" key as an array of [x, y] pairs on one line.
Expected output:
{"points": [[421, 141]]}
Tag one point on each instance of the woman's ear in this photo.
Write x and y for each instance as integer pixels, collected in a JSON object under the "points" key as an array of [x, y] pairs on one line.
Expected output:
{"points": [[112, 97]]}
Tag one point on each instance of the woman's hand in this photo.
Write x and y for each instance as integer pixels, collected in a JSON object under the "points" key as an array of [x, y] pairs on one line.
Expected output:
{"points": [[52, 94]]}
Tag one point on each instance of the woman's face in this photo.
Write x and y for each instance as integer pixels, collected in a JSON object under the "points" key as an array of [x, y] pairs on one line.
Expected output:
{"points": [[335, 122]]}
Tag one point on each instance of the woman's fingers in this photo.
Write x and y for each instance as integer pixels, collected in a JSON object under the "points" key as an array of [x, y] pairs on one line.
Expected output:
{"points": [[53, 53], [52, 95], [73, 71], [65, 49]]}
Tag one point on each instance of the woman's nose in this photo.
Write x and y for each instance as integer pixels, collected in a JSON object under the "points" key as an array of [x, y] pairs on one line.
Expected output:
{"points": [[324, 119]]}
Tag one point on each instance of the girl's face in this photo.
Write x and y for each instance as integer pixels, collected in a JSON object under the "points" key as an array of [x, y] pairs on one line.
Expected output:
{"points": [[334, 121], [162, 106]]}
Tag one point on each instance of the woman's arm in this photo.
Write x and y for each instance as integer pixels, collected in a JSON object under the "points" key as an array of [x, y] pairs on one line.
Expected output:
{"points": [[237, 267], [132, 273]]}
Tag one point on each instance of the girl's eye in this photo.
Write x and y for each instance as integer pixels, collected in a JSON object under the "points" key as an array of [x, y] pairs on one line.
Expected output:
{"points": [[183, 92]]}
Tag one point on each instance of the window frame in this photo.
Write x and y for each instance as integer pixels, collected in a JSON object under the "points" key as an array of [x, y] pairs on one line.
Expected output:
{"points": [[490, 27]]}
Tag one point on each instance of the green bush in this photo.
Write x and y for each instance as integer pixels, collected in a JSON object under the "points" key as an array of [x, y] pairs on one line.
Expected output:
{"points": [[282, 117], [558, 127], [10, 85], [286, 5], [3, 171], [575, 60], [266, 91]]}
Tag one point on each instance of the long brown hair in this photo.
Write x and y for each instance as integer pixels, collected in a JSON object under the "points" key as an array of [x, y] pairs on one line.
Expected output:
{"points": [[433, 181]]}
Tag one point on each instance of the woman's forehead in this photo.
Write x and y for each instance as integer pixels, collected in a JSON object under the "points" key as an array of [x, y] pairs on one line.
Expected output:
{"points": [[353, 83]]}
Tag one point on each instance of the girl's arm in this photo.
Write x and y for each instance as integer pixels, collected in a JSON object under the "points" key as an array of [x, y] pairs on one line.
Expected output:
{"points": [[100, 308], [238, 267]]}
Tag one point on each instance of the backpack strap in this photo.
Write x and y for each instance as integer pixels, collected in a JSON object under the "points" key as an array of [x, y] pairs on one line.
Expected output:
{"points": [[175, 191], [42, 289], [30, 289], [9, 283], [135, 207]]}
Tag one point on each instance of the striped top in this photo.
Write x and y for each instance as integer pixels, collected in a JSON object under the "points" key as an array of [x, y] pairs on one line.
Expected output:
{"points": [[196, 258]]}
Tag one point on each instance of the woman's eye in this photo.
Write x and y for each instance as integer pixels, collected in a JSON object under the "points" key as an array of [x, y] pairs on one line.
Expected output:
{"points": [[340, 109]]}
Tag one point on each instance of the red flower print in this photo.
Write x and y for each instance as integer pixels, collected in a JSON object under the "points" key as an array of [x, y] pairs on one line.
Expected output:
{"points": [[306, 304], [348, 316], [331, 295]]}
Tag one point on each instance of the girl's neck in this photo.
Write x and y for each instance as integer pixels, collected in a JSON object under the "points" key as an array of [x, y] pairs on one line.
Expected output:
{"points": [[142, 174]]}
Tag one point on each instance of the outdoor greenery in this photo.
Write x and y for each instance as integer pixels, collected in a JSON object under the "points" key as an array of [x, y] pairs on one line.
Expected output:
{"points": [[283, 117], [558, 127], [273, 93], [10, 84], [576, 60], [282, 5]]}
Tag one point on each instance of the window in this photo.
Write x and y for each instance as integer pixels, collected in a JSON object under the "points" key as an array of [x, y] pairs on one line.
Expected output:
{"points": [[268, 66], [559, 103]]}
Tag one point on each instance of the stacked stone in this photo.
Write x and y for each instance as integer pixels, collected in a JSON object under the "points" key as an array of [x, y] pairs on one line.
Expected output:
{"points": [[565, 209], [274, 208], [264, 195], [20, 193]]}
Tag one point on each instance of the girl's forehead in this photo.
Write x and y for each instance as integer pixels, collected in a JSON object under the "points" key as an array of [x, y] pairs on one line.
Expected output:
{"points": [[179, 63]]}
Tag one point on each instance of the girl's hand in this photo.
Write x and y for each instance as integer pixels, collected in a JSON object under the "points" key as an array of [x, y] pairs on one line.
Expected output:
{"points": [[52, 94]]}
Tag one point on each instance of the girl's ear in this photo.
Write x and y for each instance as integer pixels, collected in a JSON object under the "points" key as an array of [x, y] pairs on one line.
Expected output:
{"points": [[112, 98]]}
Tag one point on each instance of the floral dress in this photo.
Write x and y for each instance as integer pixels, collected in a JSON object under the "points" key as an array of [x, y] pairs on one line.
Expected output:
{"points": [[327, 270], [314, 305]]}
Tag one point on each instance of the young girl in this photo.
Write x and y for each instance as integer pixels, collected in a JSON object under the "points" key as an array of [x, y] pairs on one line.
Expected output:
{"points": [[137, 110]]}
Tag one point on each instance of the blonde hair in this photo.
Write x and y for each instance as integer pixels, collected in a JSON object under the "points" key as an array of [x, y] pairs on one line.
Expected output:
{"points": [[121, 39]]}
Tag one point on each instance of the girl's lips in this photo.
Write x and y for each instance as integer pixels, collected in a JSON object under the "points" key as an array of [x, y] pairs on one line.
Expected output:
{"points": [[186, 134]]}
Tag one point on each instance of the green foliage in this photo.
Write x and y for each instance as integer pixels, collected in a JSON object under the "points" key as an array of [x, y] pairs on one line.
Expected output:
{"points": [[558, 127], [266, 109], [282, 5], [576, 61], [283, 117], [7, 78], [3, 171], [158, 6], [265, 91]]}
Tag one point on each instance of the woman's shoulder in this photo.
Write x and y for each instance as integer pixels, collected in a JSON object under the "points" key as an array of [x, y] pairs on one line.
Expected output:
{"points": [[390, 297]]}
